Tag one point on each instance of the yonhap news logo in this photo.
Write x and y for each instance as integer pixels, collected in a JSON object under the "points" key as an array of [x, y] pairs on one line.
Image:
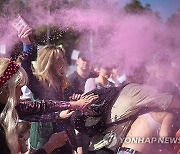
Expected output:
{"points": [[167, 140]]}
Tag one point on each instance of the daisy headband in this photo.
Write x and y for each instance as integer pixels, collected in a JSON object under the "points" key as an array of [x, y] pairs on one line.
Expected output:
{"points": [[9, 72]]}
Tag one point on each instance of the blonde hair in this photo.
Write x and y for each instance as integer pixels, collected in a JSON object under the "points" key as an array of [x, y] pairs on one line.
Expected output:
{"points": [[9, 117], [51, 66]]}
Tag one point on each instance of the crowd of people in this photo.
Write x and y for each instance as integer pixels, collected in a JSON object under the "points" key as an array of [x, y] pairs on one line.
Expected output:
{"points": [[43, 111]]}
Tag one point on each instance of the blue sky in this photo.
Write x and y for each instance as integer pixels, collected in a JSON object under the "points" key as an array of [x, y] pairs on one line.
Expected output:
{"points": [[165, 7]]}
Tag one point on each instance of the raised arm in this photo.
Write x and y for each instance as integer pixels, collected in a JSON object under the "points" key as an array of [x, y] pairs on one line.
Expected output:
{"points": [[27, 58]]}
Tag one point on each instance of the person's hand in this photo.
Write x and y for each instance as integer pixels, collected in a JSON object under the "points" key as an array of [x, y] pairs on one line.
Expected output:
{"points": [[58, 139], [65, 114], [24, 33], [55, 141], [84, 101], [75, 97]]}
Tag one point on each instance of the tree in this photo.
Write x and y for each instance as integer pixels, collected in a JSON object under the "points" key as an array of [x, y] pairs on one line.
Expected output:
{"points": [[174, 20], [68, 38], [135, 6]]}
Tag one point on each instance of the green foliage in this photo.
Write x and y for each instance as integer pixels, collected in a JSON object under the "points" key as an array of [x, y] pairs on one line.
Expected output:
{"points": [[68, 38], [136, 7]]}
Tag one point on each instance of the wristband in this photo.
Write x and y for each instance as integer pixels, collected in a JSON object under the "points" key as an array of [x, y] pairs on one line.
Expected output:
{"points": [[27, 48]]}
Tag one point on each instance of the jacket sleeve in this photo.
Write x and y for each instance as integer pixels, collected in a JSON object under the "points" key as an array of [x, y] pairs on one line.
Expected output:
{"points": [[51, 117], [40, 107]]}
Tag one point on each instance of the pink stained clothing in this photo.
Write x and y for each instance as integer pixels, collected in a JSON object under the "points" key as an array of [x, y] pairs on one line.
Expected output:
{"points": [[133, 97]]}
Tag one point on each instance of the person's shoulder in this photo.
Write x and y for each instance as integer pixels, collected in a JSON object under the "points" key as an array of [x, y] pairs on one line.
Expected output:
{"points": [[90, 80], [73, 75]]}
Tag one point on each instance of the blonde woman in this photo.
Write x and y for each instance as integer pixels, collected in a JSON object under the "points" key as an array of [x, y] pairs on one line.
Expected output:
{"points": [[12, 78], [48, 82]]}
